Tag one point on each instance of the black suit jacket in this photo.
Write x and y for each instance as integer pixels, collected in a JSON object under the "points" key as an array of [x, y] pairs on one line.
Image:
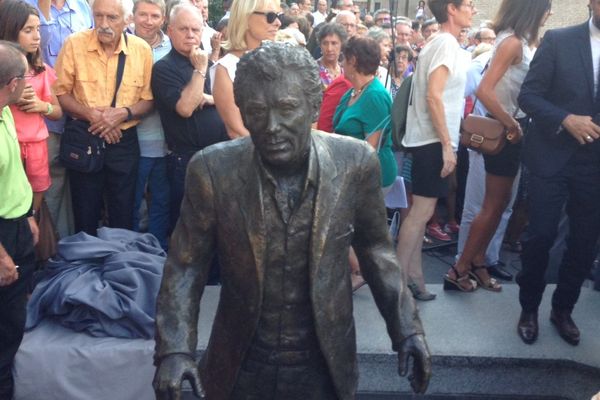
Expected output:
{"points": [[222, 211], [560, 82]]}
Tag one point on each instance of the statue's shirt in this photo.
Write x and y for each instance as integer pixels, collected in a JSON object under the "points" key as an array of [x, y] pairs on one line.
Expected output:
{"points": [[286, 319]]}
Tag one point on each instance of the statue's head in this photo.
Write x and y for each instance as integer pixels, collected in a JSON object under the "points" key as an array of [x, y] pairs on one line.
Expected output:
{"points": [[278, 91]]}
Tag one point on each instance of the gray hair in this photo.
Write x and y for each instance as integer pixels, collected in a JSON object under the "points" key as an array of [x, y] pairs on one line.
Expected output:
{"points": [[184, 6], [12, 62], [126, 7], [378, 34], [381, 11], [344, 13]]}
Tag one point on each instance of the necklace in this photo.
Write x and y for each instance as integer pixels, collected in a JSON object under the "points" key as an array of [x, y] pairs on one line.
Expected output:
{"points": [[357, 92], [334, 72]]}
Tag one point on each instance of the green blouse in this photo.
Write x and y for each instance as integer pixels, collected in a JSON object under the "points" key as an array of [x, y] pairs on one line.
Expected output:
{"points": [[365, 116]]}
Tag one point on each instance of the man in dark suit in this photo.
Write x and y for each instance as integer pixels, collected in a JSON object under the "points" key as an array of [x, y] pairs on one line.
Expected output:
{"points": [[562, 152], [281, 209]]}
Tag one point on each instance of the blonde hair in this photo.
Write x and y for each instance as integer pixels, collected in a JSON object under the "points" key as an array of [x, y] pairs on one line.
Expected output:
{"points": [[240, 12]]}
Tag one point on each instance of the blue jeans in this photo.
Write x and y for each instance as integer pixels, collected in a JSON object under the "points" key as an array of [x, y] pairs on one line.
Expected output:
{"points": [[176, 168], [152, 171]]}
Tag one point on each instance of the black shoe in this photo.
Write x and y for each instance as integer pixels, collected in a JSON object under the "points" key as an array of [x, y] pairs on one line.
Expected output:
{"points": [[527, 328], [565, 325], [497, 272]]}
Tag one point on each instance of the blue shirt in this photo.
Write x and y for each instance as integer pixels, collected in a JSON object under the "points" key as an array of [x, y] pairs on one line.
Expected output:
{"points": [[151, 136], [74, 16]]}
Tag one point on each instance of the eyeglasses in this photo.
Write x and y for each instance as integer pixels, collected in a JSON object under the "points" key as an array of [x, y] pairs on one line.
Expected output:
{"points": [[347, 24], [471, 5], [19, 78], [271, 15]]}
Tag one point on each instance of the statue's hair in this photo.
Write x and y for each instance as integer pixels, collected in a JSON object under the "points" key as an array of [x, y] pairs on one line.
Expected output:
{"points": [[275, 62]]}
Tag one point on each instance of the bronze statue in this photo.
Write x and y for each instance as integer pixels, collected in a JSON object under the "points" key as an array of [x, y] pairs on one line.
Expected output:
{"points": [[281, 209]]}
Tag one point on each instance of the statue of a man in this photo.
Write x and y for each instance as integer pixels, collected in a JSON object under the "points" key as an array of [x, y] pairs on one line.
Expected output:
{"points": [[281, 209]]}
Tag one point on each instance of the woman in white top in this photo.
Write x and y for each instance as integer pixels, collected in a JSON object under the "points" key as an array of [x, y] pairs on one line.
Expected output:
{"points": [[517, 24], [432, 125], [250, 22]]}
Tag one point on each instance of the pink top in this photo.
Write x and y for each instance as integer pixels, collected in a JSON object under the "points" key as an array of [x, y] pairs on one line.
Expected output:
{"points": [[31, 127]]}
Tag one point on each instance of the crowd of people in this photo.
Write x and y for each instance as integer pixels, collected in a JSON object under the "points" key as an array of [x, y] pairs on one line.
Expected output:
{"points": [[155, 82]]}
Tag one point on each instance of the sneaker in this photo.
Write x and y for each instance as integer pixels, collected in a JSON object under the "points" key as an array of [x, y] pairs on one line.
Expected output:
{"points": [[451, 227], [436, 232]]}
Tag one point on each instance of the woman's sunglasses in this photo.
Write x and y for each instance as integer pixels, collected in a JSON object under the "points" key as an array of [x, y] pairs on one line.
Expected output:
{"points": [[271, 15]]}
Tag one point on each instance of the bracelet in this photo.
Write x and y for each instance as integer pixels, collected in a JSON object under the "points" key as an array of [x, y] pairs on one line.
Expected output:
{"points": [[203, 74], [50, 109]]}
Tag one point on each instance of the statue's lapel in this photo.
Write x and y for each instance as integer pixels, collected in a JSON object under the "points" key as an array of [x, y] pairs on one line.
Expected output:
{"points": [[328, 193], [251, 206]]}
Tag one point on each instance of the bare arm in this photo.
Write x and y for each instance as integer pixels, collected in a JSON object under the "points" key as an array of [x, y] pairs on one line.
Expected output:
{"points": [[192, 95], [31, 103], [435, 91], [8, 270], [215, 44], [373, 139], [44, 7], [74, 108], [224, 100], [508, 53]]}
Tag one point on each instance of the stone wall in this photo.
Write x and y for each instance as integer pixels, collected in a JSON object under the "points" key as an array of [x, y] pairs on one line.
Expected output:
{"points": [[565, 12]]}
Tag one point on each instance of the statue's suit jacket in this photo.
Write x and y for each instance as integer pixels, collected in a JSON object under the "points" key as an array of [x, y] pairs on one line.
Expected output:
{"points": [[222, 212]]}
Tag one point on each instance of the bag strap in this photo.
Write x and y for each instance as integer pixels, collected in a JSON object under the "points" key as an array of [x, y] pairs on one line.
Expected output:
{"points": [[384, 126], [120, 69]]}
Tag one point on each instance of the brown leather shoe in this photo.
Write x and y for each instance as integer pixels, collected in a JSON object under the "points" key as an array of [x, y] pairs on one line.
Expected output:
{"points": [[565, 325], [528, 326]]}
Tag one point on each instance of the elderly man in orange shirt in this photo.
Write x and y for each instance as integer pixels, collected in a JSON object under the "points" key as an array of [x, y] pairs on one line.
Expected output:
{"points": [[87, 90]]}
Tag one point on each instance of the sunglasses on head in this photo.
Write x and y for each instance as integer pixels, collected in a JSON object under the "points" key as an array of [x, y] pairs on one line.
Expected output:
{"points": [[271, 15]]}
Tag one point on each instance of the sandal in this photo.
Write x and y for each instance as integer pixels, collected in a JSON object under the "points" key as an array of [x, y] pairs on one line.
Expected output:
{"points": [[490, 284], [420, 295], [455, 284]]}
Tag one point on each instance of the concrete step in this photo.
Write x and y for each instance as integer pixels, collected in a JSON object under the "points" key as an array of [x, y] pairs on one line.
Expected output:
{"points": [[476, 350]]}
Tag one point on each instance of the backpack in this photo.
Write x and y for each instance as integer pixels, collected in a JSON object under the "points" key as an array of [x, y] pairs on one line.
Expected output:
{"points": [[399, 112]]}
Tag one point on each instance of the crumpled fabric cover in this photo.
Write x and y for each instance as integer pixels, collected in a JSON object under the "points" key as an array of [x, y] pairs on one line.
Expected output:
{"points": [[105, 285]]}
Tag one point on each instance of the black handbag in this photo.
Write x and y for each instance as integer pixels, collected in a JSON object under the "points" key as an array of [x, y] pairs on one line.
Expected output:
{"points": [[79, 149]]}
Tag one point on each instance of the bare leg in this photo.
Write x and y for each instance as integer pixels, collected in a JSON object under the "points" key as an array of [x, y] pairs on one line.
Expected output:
{"points": [[484, 225], [355, 275], [410, 239], [451, 198]]}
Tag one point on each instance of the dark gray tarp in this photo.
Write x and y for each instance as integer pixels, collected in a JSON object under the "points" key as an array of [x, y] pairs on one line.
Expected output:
{"points": [[105, 285]]}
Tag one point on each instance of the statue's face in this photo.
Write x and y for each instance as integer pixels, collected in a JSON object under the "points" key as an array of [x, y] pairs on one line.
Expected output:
{"points": [[279, 119]]}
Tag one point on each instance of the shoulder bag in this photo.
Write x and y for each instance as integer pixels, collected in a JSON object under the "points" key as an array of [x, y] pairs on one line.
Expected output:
{"points": [[481, 133]]}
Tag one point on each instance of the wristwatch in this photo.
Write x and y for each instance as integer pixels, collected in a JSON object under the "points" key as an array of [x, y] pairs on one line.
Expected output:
{"points": [[129, 114]]}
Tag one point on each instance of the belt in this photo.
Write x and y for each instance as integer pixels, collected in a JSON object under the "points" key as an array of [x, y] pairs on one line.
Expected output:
{"points": [[17, 219], [281, 357]]}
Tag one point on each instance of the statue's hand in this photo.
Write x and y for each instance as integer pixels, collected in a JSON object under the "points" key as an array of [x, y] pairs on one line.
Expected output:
{"points": [[171, 371], [415, 347]]}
